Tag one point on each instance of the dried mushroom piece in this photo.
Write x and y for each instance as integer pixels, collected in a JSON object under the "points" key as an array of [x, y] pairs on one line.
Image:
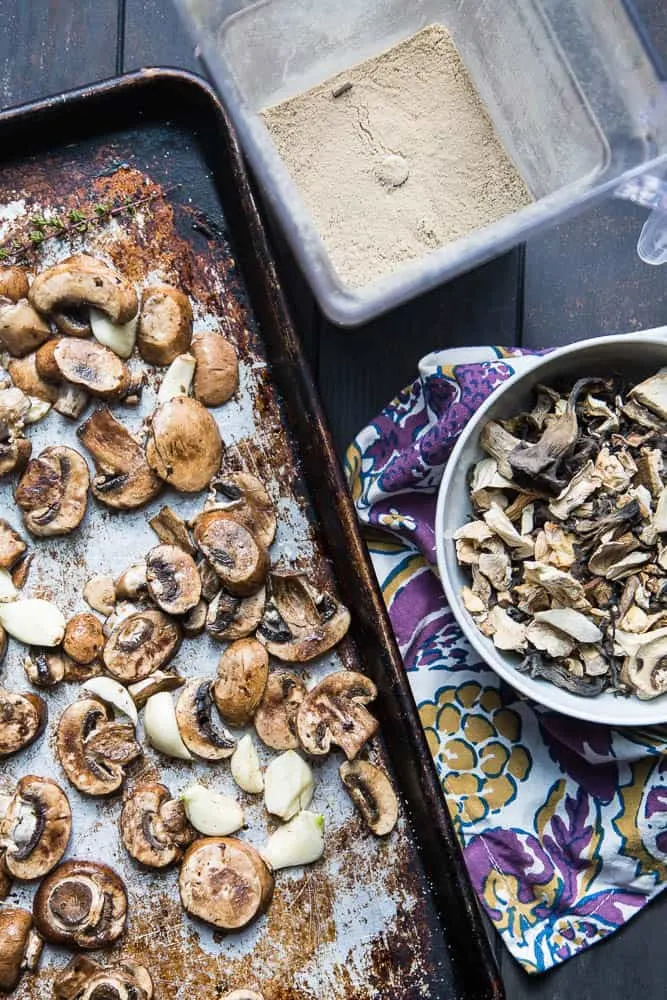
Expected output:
{"points": [[198, 726], [244, 497], [92, 749], [53, 492], [83, 979], [275, 718], [238, 558], [124, 480], [224, 882], [334, 712], [35, 828], [81, 904], [299, 622], [23, 720], [153, 826], [82, 280], [184, 447], [140, 644], [20, 947]]}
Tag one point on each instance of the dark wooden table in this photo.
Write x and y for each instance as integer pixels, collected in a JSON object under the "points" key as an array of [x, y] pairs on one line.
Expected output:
{"points": [[580, 280]]}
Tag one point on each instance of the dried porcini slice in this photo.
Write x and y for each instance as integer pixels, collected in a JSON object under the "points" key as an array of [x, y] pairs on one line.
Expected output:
{"points": [[20, 947], [35, 828], [300, 623], [275, 718], [22, 720], [197, 723], [81, 904], [335, 712], [94, 750], [371, 791], [224, 882], [83, 979], [140, 644], [153, 826], [173, 579], [238, 558], [53, 492]]}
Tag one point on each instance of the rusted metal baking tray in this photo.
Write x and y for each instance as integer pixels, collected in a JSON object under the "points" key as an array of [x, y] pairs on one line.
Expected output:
{"points": [[391, 918]]}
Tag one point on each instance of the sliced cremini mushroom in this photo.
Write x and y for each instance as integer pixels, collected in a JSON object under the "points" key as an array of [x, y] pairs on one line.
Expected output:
{"points": [[71, 401], [141, 643], [165, 324], [275, 719], [13, 283], [45, 363], [194, 622], [3, 648], [200, 731], [158, 681], [229, 617], [299, 622], [83, 979], [21, 570], [242, 674], [143, 831], [12, 545], [132, 583], [81, 904], [171, 529], [22, 329], [20, 947], [14, 456], [100, 594], [92, 367], [217, 372], [224, 882], [14, 407], [245, 498], [36, 827], [92, 749], [82, 280], [371, 791], [53, 492], [173, 579], [73, 322], [210, 581], [26, 378], [22, 720], [238, 558], [124, 479], [334, 712], [84, 638], [45, 667], [184, 447]]}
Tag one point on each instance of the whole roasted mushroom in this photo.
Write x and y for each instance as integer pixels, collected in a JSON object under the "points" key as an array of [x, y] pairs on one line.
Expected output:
{"points": [[13, 283], [20, 947], [35, 828], [238, 558], [22, 329], [199, 729], [370, 790], [173, 579], [334, 712], [94, 750], [22, 720], [92, 367], [300, 623], [165, 324], [275, 718], [245, 498], [217, 372], [224, 882], [184, 447], [83, 979], [124, 480], [140, 644], [153, 826], [229, 617], [242, 674], [53, 492], [80, 281], [84, 638], [81, 904]]}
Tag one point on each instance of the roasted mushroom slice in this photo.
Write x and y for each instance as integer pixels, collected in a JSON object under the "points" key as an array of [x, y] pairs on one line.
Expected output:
{"points": [[158, 681], [210, 581], [299, 623], [84, 638], [370, 790], [245, 498], [194, 622], [35, 828], [93, 750], [197, 725], [184, 447], [172, 530], [81, 904], [173, 579], [140, 644], [82, 280], [275, 719], [26, 378], [12, 545], [238, 558], [132, 583], [224, 882], [73, 322], [165, 324], [53, 492], [231, 617], [14, 456], [91, 366], [44, 667], [20, 947], [13, 283], [100, 594], [45, 363], [22, 329], [22, 720], [242, 674], [83, 979], [143, 831], [334, 713], [217, 372], [124, 480]]}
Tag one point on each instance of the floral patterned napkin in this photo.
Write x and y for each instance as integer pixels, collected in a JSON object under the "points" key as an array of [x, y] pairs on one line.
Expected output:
{"points": [[563, 823]]}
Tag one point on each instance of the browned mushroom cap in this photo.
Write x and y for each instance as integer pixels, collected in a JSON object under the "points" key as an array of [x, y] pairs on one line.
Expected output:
{"points": [[92, 749], [84, 638], [197, 722], [173, 579], [84, 281], [172, 530], [73, 322], [184, 446], [20, 947], [45, 667], [158, 681], [81, 904], [26, 378], [238, 558], [83, 979], [139, 644], [53, 492], [14, 456], [245, 498], [22, 720], [299, 623], [217, 372], [224, 882], [132, 582], [146, 837], [275, 719], [12, 545], [22, 329], [334, 712], [124, 480], [36, 827], [13, 283], [232, 617], [194, 623], [91, 366], [45, 362], [165, 324], [242, 673], [370, 790]]}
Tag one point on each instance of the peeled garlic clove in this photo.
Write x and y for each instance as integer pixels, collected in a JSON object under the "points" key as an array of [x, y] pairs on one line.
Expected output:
{"points": [[118, 337], [245, 766], [288, 785], [211, 813], [38, 410], [299, 842], [161, 727], [114, 694], [33, 621], [178, 378], [8, 591]]}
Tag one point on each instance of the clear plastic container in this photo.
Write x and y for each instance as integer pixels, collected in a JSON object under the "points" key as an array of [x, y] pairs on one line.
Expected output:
{"points": [[570, 87]]}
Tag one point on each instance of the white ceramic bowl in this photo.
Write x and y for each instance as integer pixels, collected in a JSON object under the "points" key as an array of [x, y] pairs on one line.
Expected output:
{"points": [[634, 355]]}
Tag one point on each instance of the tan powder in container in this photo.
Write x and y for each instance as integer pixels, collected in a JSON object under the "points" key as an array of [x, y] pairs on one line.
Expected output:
{"points": [[403, 161]]}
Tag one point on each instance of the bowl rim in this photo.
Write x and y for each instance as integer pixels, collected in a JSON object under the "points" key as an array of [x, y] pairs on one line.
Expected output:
{"points": [[635, 712]]}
